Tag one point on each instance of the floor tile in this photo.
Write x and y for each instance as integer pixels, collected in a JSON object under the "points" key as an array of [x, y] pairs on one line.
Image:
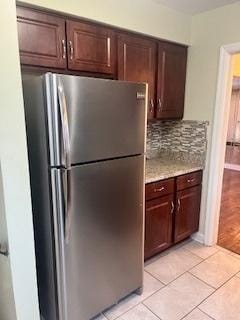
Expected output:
{"points": [[200, 250], [197, 314], [223, 249], [217, 269], [178, 298], [171, 266], [236, 255], [140, 312], [224, 303], [151, 285]]}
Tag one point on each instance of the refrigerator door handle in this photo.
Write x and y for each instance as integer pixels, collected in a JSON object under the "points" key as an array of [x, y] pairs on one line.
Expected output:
{"points": [[64, 123], [67, 203], [58, 214]]}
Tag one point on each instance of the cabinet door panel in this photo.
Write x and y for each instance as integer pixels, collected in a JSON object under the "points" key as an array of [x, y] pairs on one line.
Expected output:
{"points": [[187, 212], [172, 60], [137, 62], [158, 225], [41, 39], [91, 48]]}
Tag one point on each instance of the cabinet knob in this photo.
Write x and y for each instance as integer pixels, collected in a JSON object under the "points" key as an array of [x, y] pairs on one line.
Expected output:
{"points": [[190, 180]]}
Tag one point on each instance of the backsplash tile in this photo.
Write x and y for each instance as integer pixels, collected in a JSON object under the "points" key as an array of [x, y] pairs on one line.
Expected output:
{"points": [[184, 136]]}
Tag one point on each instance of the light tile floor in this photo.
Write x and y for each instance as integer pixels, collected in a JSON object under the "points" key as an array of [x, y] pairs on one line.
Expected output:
{"points": [[188, 282]]}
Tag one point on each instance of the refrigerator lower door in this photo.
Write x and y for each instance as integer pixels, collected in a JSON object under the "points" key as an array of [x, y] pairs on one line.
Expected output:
{"points": [[104, 249]]}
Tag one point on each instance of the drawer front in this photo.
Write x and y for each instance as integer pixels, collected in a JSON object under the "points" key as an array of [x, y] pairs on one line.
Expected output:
{"points": [[189, 180], [159, 188]]}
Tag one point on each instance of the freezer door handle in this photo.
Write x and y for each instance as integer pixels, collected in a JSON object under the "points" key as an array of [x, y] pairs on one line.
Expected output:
{"points": [[64, 124], [67, 202]]}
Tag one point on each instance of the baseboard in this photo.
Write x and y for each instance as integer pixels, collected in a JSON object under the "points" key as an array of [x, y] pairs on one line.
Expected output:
{"points": [[198, 236], [232, 166]]}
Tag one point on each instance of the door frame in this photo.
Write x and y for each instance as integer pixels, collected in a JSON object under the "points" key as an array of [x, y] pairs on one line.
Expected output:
{"points": [[218, 145]]}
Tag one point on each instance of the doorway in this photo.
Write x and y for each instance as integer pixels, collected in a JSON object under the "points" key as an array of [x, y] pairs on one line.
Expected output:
{"points": [[223, 160], [229, 221]]}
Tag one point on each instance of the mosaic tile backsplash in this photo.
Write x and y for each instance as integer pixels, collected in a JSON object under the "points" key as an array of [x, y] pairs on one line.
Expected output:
{"points": [[185, 137]]}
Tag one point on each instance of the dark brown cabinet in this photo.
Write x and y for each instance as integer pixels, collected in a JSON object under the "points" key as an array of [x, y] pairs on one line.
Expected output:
{"points": [[137, 62], [172, 211], [187, 212], [172, 62], [57, 41], [41, 39], [158, 224], [90, 47]]}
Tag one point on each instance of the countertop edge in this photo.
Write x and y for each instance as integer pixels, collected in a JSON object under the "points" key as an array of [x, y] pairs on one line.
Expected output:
{"points": [[173, 175]]}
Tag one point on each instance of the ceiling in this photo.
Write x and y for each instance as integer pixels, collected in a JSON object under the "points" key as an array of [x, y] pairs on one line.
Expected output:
{"points": [[194, 6]]}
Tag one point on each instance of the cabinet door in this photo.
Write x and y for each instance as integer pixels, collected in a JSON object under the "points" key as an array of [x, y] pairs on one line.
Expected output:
{"points": [[158, 225], [41, 39], [90, 48], [137, 62], [172, 61], [187, 212]]}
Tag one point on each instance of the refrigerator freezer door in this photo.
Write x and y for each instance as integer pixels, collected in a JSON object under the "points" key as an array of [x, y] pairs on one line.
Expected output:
{"points": [[105, 118], [104, 252]]}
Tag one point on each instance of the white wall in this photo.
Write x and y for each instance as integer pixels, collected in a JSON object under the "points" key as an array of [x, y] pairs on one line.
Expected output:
{"points": [[143, 16], [15, 177], [209, 31]]}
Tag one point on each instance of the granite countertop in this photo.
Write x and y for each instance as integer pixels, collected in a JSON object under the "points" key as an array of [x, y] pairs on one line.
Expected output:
{"points": [[163, 167]]}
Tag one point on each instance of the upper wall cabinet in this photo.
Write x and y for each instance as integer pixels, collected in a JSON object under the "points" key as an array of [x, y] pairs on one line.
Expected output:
{"points": [[137, 62], [41, 39], [90, 47], [58, 42], [172, 61]]}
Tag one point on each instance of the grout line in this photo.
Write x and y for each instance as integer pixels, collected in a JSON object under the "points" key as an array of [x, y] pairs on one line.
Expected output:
{"points": [[206, 314], [199, 305], [165, 285], [152, 275], [151, 311], [136, 303], [211, 295], [209, 285], [203, 259], [122, 314]]}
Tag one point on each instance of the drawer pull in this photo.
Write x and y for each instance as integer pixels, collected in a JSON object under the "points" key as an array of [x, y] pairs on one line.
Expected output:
{"points": [[190, 180], [159, 189], [172, 207]]}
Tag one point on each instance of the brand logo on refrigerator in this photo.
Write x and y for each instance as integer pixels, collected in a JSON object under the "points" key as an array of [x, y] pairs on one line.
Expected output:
{"points": [[141, 95]]}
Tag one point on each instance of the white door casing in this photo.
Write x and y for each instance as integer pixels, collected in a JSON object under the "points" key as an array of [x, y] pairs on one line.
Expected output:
{"points": [[218, 144]]}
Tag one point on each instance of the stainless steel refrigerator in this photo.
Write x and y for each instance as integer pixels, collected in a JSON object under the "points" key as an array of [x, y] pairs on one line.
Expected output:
{"points": [[86, 141]]}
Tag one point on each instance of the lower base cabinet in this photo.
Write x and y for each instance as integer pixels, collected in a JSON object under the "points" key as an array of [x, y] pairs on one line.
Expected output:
{"points": [[187, 213], [174, 215], [158, 224]]}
